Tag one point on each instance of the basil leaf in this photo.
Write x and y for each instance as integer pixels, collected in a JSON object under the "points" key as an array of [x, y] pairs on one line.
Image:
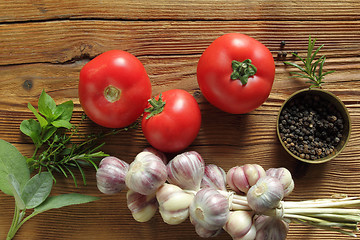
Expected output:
{"points": [[37, 189], [12, 162], [32, 129], [64, 111], [63, 201], [46, 105], [62, 123], [49, 132], [15, 187], [40, 118]]}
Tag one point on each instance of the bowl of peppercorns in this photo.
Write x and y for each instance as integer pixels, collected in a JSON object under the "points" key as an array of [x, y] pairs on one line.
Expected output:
{"points": [[313, 125]]}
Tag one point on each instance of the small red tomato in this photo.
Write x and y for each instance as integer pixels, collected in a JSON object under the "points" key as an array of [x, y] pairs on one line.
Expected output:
{"points": [[114, 89], [235, 73], [172, 121]]}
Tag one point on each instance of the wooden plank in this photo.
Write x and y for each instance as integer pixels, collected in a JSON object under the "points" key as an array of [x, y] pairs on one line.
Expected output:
{"points": [[13, 11], [68, 41], [44, 44]]}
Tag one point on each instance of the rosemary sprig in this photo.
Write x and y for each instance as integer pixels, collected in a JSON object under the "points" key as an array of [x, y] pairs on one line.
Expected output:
{"points": [[313, 69]]}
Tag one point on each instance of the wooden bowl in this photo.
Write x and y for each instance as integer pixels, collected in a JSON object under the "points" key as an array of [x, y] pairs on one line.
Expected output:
{"points": [[338, 104]]}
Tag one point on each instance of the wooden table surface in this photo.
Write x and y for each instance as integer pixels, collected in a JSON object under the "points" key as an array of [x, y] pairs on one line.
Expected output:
{"points": [[45, 43]]}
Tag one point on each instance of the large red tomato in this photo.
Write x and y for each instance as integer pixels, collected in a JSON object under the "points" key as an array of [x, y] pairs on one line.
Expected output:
{"points": [[235, 73], [171, 122], [114, 89]]}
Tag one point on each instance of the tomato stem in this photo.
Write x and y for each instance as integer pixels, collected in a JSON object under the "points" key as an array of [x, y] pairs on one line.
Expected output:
{"points": [[242, 70], [157, 106], [112, 94]]}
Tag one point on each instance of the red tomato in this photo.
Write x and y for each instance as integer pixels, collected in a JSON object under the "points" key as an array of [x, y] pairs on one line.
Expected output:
{"points": [[238, 86], [172, 124], [114, 89]]}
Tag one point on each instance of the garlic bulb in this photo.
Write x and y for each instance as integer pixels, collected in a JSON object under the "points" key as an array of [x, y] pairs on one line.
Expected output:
{"points": [[240, 225], [174, 203], [142, 207], [214, 177], [240, 179], [209, 209], [270, 228], [146, 173], [110, 176], [265, 195], [285, 178], [186, 170]]}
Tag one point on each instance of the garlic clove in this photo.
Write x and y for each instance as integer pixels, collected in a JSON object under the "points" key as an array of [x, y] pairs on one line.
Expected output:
{"points": [[241, 178], [186, 170], [285, 178], [174, 203], [253, 173], [110, 176], [209, 209], [265, 195], [174, 218], [146, 173], [214, 177], [240, 225], [142, 207], [173, 198]]}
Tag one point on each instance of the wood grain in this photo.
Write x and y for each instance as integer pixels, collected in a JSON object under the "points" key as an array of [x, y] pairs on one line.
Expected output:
{"points": [[49, 42], [44, 44], [14, 11]]}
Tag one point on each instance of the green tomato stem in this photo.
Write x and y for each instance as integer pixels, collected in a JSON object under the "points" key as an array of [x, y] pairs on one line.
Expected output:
{"points": [[157, 106], [242, 70]]}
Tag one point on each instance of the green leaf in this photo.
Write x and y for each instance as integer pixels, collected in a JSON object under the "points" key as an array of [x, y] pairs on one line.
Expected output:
{"points": [[32, 129], [49, 132], [297, 66], [310, 49], [66, 110], [63, 201], [46, 105], [324, 74], [316, 51], [61, 123], [12, 162], [37, 189], [16, 190], [40, 118], [296, 74]]}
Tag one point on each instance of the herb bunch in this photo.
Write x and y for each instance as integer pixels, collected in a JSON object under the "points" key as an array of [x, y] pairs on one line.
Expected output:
{"points": [[29, 193], [53, 133], [313, 69]]}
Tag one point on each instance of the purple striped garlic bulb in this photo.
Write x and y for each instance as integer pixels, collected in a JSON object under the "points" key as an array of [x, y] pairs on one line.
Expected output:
{"points": [[146, 173], [186, 170], [265, 195], [110, 176], [142, 207], [209, 209], [240, 179], [285, 178], [214, 177]]}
